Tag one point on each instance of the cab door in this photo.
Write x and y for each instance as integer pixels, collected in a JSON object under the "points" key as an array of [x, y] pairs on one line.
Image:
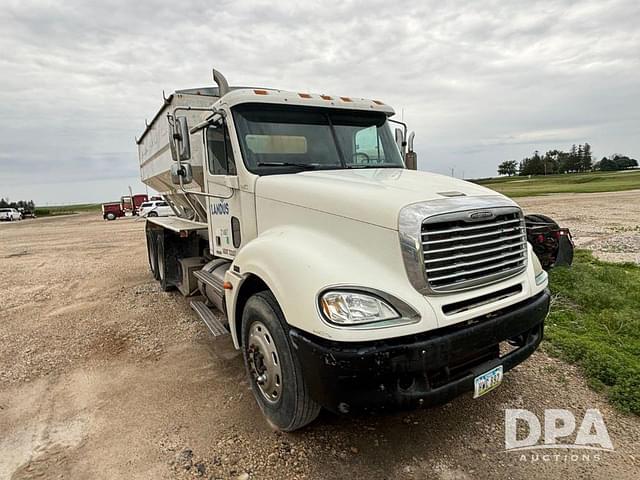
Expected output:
{"points": [[222, 181]]}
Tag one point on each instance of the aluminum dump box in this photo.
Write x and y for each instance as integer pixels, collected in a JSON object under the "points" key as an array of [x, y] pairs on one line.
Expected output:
{"points": [[154, 152]]}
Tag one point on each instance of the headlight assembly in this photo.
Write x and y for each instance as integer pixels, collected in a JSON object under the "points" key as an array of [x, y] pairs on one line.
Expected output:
{"points": [[355, 308]]}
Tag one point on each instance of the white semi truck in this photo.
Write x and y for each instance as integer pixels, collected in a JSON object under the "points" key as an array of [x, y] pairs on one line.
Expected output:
{"points": [[348, 280]]}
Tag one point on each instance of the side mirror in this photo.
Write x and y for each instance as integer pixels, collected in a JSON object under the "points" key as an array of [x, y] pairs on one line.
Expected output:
{"points": [[399, 134], [183, 171], [181, 138], [172, 144]]}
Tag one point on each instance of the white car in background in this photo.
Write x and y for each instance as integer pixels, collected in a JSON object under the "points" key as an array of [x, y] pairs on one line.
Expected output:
{"points": [[10, 214], [155, 208]]}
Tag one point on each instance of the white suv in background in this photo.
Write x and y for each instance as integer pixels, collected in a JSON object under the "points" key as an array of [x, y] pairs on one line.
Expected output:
{"points": [[10, 214], [155, 208]]}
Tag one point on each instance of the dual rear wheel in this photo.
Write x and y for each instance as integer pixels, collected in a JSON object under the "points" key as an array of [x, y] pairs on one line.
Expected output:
{"points": [[157, 258]]}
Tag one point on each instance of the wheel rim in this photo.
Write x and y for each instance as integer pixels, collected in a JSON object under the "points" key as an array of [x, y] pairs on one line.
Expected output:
{"points": [[264, 362]]}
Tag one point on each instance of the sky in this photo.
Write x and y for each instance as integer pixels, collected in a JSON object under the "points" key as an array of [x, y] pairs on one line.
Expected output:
{"points": [[480, 82]]}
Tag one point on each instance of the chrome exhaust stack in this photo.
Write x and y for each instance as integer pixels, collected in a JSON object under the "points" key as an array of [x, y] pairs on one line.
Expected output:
{"points": [[223, 85]]}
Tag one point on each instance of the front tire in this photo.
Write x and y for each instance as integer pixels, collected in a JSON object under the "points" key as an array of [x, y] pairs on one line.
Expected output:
{"points": [[273, 367], [152, 214], [111, 216]]}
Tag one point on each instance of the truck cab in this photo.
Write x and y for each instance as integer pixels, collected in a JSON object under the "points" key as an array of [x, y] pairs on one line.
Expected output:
{"points": [[347, 280]]}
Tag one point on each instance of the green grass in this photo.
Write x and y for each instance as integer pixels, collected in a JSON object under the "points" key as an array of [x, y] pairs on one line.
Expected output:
{"points": [[66, 209], [595, 322], [566, 183]]}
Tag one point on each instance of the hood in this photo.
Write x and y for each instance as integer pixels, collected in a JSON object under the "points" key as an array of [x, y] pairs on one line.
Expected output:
{"points": [[372, 195]]}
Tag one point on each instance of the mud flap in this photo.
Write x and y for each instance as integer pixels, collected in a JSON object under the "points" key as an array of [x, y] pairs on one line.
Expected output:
{"points": [[565, 251]]}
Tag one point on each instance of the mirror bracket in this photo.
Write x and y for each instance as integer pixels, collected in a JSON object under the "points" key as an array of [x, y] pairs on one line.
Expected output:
{"points": [[181, 173]]}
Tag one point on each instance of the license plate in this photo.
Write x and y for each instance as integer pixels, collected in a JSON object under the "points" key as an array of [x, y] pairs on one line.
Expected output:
{"points": [[487, 381]]}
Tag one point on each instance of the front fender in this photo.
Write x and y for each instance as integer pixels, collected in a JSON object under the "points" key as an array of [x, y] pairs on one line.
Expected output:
{"points": [[297, 262]]}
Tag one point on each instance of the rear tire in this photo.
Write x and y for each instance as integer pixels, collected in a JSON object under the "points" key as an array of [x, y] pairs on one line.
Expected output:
{"points": [[161, 263], [152, 253], [274, 371], [539, 218], [152, 214]]}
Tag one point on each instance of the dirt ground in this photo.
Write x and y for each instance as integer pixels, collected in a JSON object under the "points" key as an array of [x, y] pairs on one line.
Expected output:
{"points": [[606, 223], [104, 376]]}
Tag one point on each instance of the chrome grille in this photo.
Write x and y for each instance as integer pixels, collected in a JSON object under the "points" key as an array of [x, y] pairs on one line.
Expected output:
{"points": [[461, 251]]}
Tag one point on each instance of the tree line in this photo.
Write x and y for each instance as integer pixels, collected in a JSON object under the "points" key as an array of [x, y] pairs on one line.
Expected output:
{"points": [[26, 204], [578, 159], [615, 162]]}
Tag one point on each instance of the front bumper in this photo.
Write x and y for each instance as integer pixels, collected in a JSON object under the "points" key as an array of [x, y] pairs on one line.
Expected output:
{"points": [[418, 370]]}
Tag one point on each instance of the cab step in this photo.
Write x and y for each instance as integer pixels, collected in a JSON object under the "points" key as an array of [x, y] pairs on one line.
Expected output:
{"points": [[215, 326]]}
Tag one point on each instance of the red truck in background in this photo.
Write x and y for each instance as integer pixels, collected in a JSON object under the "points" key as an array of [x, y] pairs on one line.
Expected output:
{"points": [[112, 210], [127, 204], [131, 203]]}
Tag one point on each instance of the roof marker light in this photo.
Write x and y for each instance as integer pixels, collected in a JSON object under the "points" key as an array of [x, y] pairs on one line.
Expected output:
{"points": [[378, 102], [304, 95], [260, 92], [326, 97], [346, 99]]}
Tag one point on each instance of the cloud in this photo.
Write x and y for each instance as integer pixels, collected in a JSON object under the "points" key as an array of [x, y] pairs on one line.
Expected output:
{"points": [[479, 82]]}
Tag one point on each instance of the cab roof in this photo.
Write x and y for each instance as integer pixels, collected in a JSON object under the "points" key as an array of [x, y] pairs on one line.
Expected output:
{"points": [[238, 95], [283, 97]]}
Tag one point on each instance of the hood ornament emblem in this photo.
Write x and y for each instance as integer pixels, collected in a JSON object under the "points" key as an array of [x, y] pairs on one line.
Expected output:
{"points": [[481, 215]]}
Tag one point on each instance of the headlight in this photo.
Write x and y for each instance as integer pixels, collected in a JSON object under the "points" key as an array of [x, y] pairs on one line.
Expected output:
{"points": [[538, 271], [351, 308]]}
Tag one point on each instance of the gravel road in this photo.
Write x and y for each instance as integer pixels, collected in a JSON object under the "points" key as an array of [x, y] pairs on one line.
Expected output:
{"points": [[104, 376]]}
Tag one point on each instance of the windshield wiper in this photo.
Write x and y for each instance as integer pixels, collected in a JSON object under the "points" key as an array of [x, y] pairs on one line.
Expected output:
{"points": [[302, 166]]}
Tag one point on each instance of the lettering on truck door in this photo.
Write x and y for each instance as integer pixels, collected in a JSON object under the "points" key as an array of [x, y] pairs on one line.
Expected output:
{"points": [[222, 179]]}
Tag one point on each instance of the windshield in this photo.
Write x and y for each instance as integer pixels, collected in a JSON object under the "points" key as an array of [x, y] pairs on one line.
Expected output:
{"points": [[284, 139]]}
